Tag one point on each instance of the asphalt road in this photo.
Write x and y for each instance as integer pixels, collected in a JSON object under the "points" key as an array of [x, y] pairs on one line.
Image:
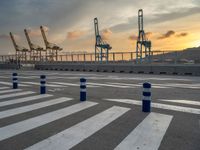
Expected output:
{"points": [[111, 118]]}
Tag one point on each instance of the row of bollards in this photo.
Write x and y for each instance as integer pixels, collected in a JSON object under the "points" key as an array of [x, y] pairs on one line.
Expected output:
{"points": [[146, 101]]}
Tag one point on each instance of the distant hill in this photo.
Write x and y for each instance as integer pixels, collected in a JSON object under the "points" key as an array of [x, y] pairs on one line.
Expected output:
{"points": [[188, 55]]}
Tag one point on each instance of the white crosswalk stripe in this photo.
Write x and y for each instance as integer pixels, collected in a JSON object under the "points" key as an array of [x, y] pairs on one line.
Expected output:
{"points": [[10, 84], [108, 85], [196, 103], [148, 134], [49, 85], [137, 85], [25, 99], [19, 110], [16, 94], [10, 91], [71, 84], [26, 125], [77, 133], [159, 105], [3, 88]]}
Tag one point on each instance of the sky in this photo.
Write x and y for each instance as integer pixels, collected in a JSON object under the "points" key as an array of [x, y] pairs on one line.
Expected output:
{"points": [[169, 24]]}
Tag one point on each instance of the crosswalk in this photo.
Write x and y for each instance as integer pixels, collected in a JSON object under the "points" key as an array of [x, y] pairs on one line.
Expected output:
{"points": [[56, 84], [23, 112], [80, 131], [31, 78], [158, 105]]}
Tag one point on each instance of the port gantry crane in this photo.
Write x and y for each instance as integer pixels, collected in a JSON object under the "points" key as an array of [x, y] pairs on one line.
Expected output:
{"points": [[21, 52], [101, 47], [35, 50], [142, 42], [51, 49]]}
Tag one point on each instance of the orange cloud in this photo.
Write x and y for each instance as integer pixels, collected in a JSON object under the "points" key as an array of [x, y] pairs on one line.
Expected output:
{"points": [[4, 36], [148, 34], [75, 34], [183, 34], [168, 34], [106, 33], [132, 37], [36, 32]]}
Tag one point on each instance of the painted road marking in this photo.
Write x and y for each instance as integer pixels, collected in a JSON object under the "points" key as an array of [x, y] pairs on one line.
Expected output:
{"points": [[23, 109], [182, 101], [16, 94], [148, 134], [3, 88], [10, 91], [138, 85], [10, 84], [48, 85], [72, 84], [77, 133], [159, 105], [4, 77], [21, 77], [184, 86], [26, 125], [125, 84], [25, 99], [109, 85]]}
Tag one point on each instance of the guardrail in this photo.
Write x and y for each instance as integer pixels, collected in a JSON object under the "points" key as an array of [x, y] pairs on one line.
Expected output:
{"points": [[160, 57]]}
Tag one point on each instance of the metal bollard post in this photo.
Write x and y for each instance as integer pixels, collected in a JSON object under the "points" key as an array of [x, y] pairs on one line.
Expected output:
{"points": [[15, 81], [42, 84], [146, 101], [82, 89]]}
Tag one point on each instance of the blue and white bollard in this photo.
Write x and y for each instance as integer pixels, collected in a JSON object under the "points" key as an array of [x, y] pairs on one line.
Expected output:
{"points": [[42, 84], [15, 81], [146, 101], [82, 89]]}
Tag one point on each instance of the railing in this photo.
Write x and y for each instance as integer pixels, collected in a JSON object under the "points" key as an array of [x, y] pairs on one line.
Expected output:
{"points": [[159, 57]]}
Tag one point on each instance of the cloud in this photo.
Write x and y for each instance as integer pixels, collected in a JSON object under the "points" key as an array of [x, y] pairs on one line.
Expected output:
{"points": [[171, 33], [106, 33], [156, 17], [68, 15], [132, 37], [35, 32], [168, 34], [7, 37], [4, 36], [148, 34], [183, 34], [73, 35]]}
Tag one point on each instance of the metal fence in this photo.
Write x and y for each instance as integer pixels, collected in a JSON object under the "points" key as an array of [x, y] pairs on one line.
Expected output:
{"points": [[159, 57]]}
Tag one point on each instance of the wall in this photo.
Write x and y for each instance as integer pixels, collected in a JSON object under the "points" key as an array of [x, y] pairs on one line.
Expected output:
{"points": [[124, 68]]}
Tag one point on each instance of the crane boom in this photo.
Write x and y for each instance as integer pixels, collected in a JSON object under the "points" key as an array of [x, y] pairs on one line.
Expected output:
{"points": [[28, 39], [13, 41], [44, 36]]}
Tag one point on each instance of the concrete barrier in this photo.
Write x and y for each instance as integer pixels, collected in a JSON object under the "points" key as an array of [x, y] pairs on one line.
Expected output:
{"points": [[124, 68]]}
